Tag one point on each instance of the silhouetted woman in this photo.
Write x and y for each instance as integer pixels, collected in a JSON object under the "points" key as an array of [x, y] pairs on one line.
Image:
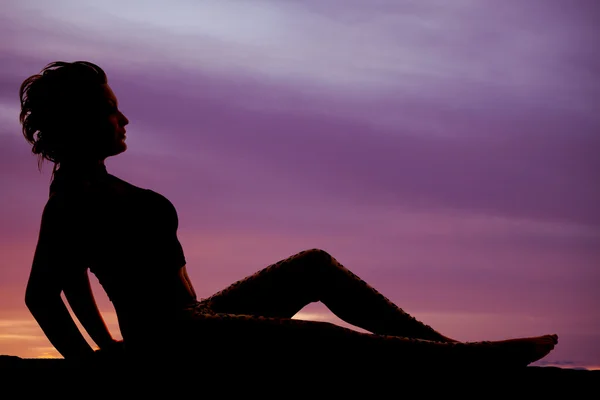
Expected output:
{"points": [[127, 236]]}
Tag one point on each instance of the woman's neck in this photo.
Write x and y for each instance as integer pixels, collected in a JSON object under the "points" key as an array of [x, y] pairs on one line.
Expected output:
{"points": [[72, 174], [82, 165], [82, 169]]}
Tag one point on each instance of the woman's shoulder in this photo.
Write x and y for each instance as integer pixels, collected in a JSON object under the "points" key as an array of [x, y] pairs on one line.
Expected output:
{"points": [[61, 204], [70, 198], [121, 185], [60, 217]]}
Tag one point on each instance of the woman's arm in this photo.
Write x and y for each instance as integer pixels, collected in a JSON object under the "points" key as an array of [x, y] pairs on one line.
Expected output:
{"points": [[55, 257], [55, 320], [80, 296]]}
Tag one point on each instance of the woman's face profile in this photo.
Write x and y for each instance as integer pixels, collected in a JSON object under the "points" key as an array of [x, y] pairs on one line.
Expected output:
{"points": [[110, 129]]}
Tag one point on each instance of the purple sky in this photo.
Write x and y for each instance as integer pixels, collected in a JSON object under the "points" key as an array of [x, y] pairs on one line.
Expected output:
{"points": [[446, 152]]}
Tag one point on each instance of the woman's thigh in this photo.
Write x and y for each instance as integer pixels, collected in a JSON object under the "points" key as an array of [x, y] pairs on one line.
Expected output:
{"points": [[279, 290], [221, 336]]}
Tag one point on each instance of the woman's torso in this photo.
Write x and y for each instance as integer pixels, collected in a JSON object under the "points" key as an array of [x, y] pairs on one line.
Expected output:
{"points": [[130, 239]]}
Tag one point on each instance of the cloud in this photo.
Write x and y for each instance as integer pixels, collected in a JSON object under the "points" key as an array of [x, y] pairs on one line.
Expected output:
{"points": [[392, 46]]}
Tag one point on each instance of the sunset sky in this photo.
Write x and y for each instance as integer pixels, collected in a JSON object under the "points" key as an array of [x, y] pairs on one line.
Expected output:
{"points": [[447, 152]]}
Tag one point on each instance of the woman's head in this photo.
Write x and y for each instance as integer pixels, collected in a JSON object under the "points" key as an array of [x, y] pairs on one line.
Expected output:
{"points": [[69, 113]]}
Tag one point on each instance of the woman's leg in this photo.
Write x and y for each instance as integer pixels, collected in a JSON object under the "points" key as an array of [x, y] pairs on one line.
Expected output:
{"points": [[284, 288], [233, 339]]}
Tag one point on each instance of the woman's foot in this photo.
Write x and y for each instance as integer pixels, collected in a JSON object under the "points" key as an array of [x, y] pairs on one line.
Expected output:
{"points": [[518, 352]]}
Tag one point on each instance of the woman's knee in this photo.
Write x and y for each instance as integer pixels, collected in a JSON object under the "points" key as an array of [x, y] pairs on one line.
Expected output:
{"points": [[316, 261], [316, 253]]}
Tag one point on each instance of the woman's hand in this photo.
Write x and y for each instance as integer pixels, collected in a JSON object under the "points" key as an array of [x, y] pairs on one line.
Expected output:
{"points": [[113, 351]]}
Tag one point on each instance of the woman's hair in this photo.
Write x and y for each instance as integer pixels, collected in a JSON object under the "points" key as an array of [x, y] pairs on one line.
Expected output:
{"points": [[56, 104]]}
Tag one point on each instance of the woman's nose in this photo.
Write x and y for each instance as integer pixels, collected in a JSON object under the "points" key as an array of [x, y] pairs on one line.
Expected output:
{"points": [[124, 119]]}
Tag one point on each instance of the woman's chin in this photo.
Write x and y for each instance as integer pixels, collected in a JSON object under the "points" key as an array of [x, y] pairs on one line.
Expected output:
{"points": [[120, 148]]}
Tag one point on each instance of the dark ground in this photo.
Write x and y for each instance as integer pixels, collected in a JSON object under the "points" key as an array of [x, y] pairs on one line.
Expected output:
{"points": [[275, 378]]}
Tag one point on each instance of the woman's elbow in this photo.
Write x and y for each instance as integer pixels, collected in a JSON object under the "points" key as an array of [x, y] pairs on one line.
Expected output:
{"points": [[32, 300], [36, 299]]}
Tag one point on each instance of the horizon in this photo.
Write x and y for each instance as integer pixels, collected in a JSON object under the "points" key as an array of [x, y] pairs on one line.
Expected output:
{"points": [[445, 153]]}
